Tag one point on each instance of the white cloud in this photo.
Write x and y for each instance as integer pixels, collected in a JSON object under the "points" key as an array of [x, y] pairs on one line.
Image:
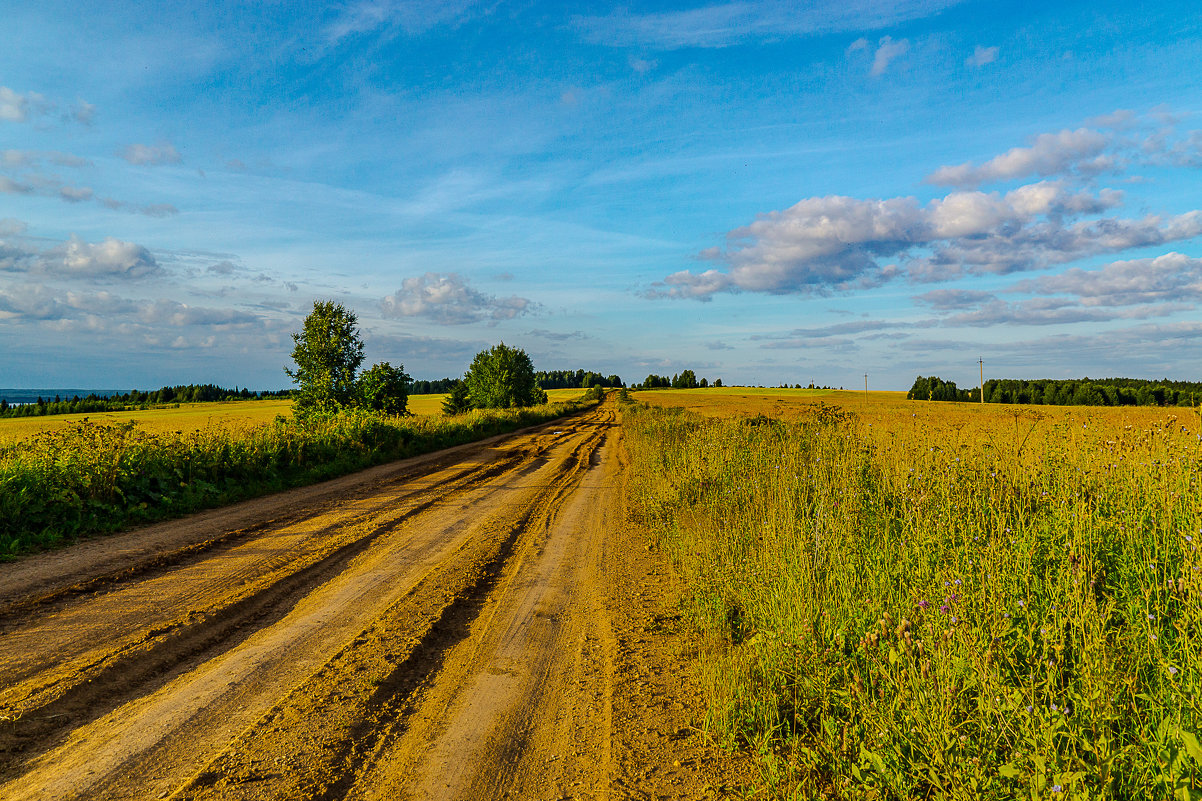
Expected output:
{"points": [[886, 52], [446, 298], [162, 153], [1049, 154], [1170, 277], [111, 258], [981, 56], [834, 243], [17, 107]]}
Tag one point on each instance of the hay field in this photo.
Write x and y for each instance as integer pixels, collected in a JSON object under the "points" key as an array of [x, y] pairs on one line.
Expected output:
{"points": [[908, 599], [222, 415]]}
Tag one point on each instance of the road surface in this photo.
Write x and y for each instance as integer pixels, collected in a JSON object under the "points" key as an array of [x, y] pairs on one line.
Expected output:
{"points": [[476, 623]]}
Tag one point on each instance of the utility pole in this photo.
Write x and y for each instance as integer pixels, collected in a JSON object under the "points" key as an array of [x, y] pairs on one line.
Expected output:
{"points": [[865, 387], [982, 363]]}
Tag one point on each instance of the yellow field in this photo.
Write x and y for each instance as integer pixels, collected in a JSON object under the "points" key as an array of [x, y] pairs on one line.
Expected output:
{"points": [[916, 599], [199, 416]]}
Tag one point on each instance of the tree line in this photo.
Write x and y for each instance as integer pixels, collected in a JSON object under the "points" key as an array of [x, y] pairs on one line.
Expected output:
{"points": [[547, 379], [1064, 392], [685, 379], [134, 400]]}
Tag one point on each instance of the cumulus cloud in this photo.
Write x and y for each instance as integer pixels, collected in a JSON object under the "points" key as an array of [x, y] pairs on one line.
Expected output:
{"points": [[17, 107], [111, 258], [1170, 277], [446, 298], [150, 155], [1049, 154], [888, 50], [981, 56], [842, 243]]}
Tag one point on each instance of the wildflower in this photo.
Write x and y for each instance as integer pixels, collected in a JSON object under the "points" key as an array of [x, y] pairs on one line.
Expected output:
{"points": [[945, 609], [1056, 788], [1151, 616], [1020, 603], [957, 582], [923, 604], [1172, 670]]}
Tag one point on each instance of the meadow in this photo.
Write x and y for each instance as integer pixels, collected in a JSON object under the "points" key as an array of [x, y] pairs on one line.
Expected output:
{"points": [[64, 479], [905, 599]]}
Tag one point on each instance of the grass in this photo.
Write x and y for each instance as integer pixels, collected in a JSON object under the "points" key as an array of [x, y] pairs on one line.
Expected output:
{"points": [[89, 477], [911, 600]]}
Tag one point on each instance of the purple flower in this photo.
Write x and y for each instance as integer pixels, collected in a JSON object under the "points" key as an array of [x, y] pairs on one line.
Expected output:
{"points": [[923, 604], [945, 609]]}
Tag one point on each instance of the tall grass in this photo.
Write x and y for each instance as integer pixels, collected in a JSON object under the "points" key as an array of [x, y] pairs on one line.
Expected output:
{"points": [[58, 486], [908, 610]]}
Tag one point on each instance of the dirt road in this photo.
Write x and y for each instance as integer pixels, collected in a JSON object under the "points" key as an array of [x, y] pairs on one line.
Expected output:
{"points": [[478, 623]]}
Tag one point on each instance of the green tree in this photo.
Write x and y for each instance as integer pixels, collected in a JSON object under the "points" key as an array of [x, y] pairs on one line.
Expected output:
{"points": [[502, 377], [458, 401], [328, 352], [384, 388]]}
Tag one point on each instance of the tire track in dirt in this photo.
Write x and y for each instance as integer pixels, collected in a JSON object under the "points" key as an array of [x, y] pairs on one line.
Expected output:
{"points": [[352, 583], [468, 625]]}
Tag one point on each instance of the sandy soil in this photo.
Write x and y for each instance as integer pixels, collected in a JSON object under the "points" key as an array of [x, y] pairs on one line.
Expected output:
{"points": [[478, 623]]}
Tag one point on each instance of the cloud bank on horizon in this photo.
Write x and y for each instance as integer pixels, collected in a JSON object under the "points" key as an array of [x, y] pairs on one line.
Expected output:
{"points": [[756, 191]]}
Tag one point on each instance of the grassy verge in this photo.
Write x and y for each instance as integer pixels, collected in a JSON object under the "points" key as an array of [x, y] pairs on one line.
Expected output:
{"points": [[892, 616], [91, 479]]}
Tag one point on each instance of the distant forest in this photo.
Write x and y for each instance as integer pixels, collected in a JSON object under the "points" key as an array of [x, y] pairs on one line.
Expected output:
{"points": [[1071, 392], [134, 400]]}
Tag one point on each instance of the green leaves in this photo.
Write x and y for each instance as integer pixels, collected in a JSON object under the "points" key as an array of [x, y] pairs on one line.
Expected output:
{"points": [[501, 378]]}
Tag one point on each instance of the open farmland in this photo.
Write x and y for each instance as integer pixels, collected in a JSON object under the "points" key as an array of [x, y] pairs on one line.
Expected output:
{"points": [[224, 415], [913, 600]]}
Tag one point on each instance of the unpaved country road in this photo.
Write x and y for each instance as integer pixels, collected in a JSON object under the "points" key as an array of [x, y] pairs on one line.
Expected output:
{"points": [[471, 624]]}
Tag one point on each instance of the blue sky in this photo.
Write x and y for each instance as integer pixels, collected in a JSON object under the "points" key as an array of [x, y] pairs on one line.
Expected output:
{"points": [[763, 192]]}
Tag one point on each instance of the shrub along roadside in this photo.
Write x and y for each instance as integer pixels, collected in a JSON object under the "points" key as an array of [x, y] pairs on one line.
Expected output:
{"points": [[889, 619], [90, 479]]}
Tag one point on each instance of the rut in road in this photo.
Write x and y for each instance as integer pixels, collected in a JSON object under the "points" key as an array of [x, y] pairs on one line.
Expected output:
{"points": [[370, 642]]}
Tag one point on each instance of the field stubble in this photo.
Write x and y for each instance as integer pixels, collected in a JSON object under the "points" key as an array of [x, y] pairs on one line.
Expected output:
{"points": [[909, 600]]}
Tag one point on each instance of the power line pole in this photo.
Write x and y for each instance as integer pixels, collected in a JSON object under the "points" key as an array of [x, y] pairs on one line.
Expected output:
{"points": [[865, 387], [982, 363]]}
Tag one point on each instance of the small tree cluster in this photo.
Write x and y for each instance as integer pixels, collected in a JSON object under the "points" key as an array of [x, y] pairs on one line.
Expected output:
{"points": [[685, 379], [328, 353], [501, 378]]}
